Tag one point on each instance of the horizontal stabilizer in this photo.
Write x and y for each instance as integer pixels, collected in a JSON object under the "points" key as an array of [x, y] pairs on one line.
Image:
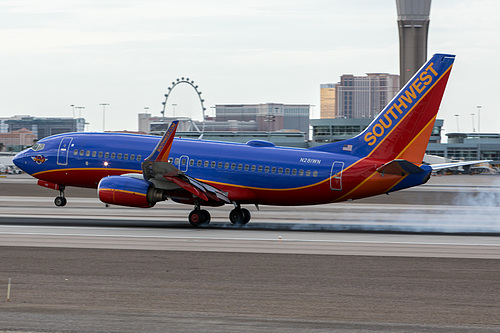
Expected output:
{"points": [[399, 167], [436, 167]]}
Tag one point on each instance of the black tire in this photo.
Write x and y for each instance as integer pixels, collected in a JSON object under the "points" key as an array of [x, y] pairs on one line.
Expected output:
{"points": [[198, 218], [60, 201], [206, 216], [246, 215], [237, 217]]}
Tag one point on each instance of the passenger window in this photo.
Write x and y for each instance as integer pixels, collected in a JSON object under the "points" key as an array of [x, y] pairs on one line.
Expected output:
{"points": [[273, 170], [205, 164], [280, 171], [171, 160], [176, 161], [260, 168], [139, 157], [315, 174], [212, 164], [106, 155], [81, 152], [287, 171], [119, 156], [247, 167], [226, 165], [100, 154], [132, 157], [308, 173], [198, 163], [233, 166], [75, 152], [253, 167], [183, 162], [191, 162], [94, 153], [125, 157], [240, 166], [294, 172], [301, 172], [87, 153], [113, 155]]}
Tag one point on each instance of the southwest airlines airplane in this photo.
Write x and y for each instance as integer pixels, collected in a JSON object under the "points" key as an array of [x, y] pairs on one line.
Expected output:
{"points": [[141, 170]]}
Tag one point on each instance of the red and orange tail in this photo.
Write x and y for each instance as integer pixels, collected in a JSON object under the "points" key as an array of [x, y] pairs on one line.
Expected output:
{"points": [[162, 150], [403, 128]]}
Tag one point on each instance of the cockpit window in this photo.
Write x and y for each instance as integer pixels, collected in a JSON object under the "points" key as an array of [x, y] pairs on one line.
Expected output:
{"points": [[38, 146]]}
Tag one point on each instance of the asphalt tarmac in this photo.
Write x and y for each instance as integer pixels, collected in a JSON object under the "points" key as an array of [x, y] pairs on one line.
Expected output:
{"points": [[88, 268]]}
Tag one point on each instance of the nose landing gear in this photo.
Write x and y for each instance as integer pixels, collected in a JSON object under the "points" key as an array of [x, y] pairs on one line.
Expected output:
{"points": [[61, 201]]}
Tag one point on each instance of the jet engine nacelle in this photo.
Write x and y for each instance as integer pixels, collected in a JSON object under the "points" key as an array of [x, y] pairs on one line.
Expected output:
{"points": [[128, 191]]}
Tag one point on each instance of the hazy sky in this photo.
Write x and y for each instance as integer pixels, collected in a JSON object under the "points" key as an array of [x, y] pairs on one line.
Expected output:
{"points": [[55, 53]]}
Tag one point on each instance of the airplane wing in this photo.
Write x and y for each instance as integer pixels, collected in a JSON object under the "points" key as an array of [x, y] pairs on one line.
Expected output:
{"points": [[441, 166], [164, 175]]}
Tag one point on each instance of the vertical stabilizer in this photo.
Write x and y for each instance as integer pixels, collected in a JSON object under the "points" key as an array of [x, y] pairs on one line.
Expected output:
{"points": [[403, 128]]}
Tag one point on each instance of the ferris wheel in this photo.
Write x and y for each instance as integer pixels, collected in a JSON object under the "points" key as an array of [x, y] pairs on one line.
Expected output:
{"points": [[183, 81]]}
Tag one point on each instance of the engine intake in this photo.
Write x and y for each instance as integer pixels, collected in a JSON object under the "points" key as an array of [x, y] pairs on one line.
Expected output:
{"points": [[128, 191]]}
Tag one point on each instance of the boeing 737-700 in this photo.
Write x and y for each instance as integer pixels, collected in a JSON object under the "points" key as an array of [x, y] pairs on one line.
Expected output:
{"points": [[141, 170]]}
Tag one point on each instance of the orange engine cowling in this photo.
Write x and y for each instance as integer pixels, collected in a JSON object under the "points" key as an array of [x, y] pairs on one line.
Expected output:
{"points": [[128, 191]]}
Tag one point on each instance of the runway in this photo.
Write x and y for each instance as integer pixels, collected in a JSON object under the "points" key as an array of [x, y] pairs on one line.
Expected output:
{"points": [[88, 224], [421, 260]]}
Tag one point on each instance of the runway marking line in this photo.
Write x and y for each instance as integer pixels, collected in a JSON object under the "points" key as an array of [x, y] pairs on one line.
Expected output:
{"points": [[248, 239]]}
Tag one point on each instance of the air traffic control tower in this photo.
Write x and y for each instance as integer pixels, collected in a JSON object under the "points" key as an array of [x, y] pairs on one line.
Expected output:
{"points": [[413, 24]]}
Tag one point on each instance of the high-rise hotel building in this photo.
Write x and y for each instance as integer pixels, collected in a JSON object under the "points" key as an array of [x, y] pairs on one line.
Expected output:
{"points": [[328, 97], [358, 96]]}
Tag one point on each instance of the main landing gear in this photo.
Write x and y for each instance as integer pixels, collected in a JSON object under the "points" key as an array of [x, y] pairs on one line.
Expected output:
{"points": [[61, 201], [239, 216], [201, 217]]}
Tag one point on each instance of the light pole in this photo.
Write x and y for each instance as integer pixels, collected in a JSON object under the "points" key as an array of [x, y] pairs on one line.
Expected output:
{"points": [[73, 107], [458, 128], [79, 110], [479, 118], [103, 115], [473, 128], [479, 131]]}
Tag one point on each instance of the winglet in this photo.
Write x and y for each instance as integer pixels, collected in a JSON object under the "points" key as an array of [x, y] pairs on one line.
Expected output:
{"points": [[162, 150]]}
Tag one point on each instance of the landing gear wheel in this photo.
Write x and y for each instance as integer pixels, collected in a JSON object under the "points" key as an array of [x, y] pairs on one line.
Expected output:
{"points": [[246, 215], [60, 201], [206, 216], [199, 217], [239, 216]]}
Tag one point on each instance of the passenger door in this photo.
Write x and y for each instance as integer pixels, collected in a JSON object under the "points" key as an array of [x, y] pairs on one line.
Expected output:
{"points": [[63, 151], [183, 163], [336, 176]]}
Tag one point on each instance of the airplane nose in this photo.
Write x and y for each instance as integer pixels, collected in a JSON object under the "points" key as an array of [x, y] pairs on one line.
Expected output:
{"points": [[19, 160]]}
